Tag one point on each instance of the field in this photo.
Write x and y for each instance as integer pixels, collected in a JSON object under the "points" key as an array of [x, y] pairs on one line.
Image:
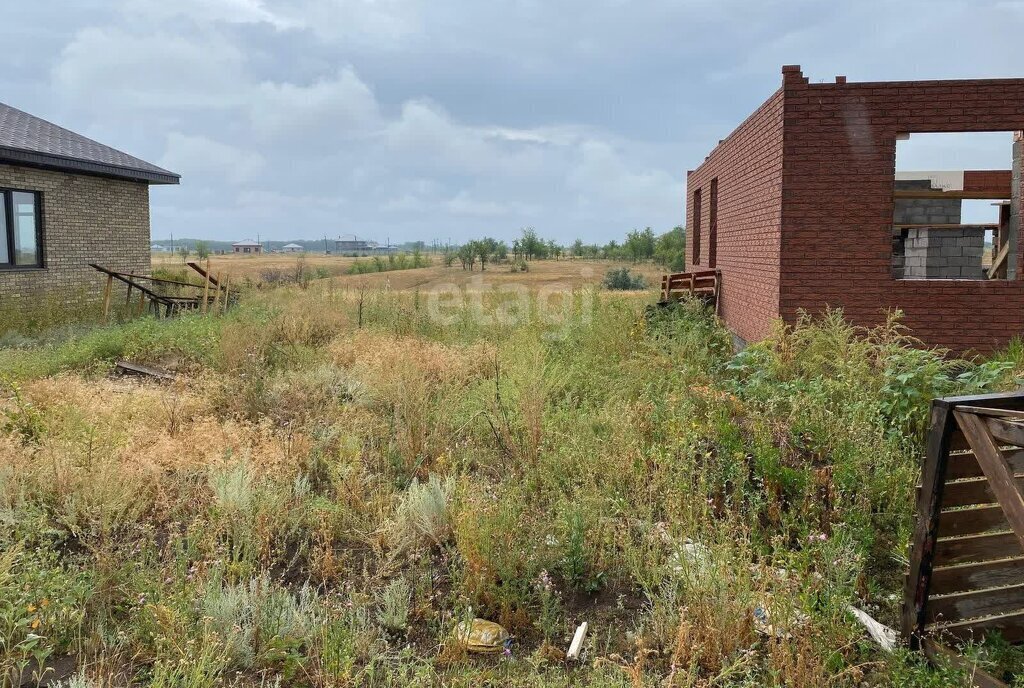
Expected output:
{"points": [[575, 273], [241, 266], [344, 471]]}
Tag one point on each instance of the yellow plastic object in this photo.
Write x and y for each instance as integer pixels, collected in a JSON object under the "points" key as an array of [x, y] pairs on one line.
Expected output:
{"points": [[482, 636]]}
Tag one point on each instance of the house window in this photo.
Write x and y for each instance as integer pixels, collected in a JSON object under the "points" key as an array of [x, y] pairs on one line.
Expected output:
{"points": [[713, 226], [20, 235], [696, 227]]}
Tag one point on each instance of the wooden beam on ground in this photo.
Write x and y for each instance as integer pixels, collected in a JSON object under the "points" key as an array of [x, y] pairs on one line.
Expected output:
{"points": [[997, 470], [139, 369], [978, 677]]}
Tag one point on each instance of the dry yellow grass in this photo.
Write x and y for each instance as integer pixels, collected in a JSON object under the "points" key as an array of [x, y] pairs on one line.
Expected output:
{"points": [[573, 273], [240, 266]]}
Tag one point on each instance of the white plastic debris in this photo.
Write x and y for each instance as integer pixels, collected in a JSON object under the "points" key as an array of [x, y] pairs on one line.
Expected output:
{"points": [[880, 633], [577, 642]]}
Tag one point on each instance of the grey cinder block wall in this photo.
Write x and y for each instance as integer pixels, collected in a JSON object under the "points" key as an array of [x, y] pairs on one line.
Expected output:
{"points": [[944, 253], [86, 219], [925, 253]]}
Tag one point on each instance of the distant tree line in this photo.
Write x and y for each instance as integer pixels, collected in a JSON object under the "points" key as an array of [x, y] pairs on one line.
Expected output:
{"points": [[667, 250]]}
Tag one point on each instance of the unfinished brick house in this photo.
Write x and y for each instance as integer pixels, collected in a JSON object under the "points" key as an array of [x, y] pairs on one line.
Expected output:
{"points": [[65, 202], [800, 208]]}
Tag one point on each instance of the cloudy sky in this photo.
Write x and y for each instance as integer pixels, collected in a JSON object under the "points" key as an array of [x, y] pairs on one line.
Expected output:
{"points": [[420, 119]]}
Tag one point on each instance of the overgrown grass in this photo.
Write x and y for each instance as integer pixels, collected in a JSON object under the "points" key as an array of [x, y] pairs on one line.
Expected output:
{"points": [[319, 504]]}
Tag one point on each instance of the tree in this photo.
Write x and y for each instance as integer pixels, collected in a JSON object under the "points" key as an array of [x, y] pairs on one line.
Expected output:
{"points": [[501, 251], [467, 255], [202, 250], [670, 250], [531, 245], [577, 248], [183, 252], [640, 244]]}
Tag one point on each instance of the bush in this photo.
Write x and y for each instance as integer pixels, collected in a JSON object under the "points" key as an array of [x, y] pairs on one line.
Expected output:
{"points": [[621, 279]]}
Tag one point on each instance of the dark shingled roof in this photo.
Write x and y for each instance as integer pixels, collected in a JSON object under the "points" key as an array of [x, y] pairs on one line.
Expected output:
{"points": [[28, 140]]}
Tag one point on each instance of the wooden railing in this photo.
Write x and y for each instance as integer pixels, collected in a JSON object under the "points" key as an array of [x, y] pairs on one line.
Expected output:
{"points": [[966, 575]]}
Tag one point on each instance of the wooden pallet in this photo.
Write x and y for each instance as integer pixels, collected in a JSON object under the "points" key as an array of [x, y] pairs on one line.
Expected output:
{"points": [[966, 575], [703, 284]]}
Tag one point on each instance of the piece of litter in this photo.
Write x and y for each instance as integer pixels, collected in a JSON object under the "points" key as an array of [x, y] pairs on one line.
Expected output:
{"points": [[880, 633], [577, 642], [763, 622], [480, 635], [129, 368]]}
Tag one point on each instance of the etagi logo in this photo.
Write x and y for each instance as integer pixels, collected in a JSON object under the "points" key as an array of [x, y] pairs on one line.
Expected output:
{"points": [[490, 303]]}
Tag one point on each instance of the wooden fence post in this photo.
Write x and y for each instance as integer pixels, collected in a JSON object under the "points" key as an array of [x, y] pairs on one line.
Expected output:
{"points": [[216, 297], [106, 298], [227, 291], [206, 289]]}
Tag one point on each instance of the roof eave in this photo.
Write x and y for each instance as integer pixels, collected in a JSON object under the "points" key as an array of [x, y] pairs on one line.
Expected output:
{"points": [[56, 162]]}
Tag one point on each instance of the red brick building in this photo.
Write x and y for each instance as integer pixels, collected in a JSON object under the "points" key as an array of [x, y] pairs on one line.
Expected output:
{"points": [[796, 208]]}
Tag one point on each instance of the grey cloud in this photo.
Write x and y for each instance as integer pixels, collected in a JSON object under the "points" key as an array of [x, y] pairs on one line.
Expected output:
{"points": [[411, 119]]}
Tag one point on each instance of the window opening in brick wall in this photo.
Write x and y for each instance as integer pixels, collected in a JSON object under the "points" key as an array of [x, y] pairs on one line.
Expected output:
{"points": [[20, 230], [956, 206], [713, 225], [696, 227]]}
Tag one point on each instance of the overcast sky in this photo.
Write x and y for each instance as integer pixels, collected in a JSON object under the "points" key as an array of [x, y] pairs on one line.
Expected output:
{"points": [[427, 119]]}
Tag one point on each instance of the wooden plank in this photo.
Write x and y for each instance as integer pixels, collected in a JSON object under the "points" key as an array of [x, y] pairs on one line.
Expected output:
{"points": [[929, 505], [978, 677], [978, 195], [994, 412], [206, 289], [968, 492], [227, 291], [941, 225], [1010, 625], [1006, 431], [972, 521], [139, 369], [204, 273], [965, 465], [997, 470], [975, 603], [961, 577], [998, 261], [106, 298], [216, 298], [977, 548]]}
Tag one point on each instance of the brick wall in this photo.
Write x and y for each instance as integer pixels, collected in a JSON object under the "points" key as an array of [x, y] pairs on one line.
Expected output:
{"points": [[86, 219], [748, 167], [837, 205]]}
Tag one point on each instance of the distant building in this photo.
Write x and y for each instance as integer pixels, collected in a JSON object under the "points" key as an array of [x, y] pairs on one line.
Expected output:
{"points": [[350, 244], [292, 248], [157, 248], [247, 246]]}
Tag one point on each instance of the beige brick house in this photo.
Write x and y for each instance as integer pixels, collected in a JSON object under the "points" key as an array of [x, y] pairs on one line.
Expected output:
{"points": [[67, 201]]}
